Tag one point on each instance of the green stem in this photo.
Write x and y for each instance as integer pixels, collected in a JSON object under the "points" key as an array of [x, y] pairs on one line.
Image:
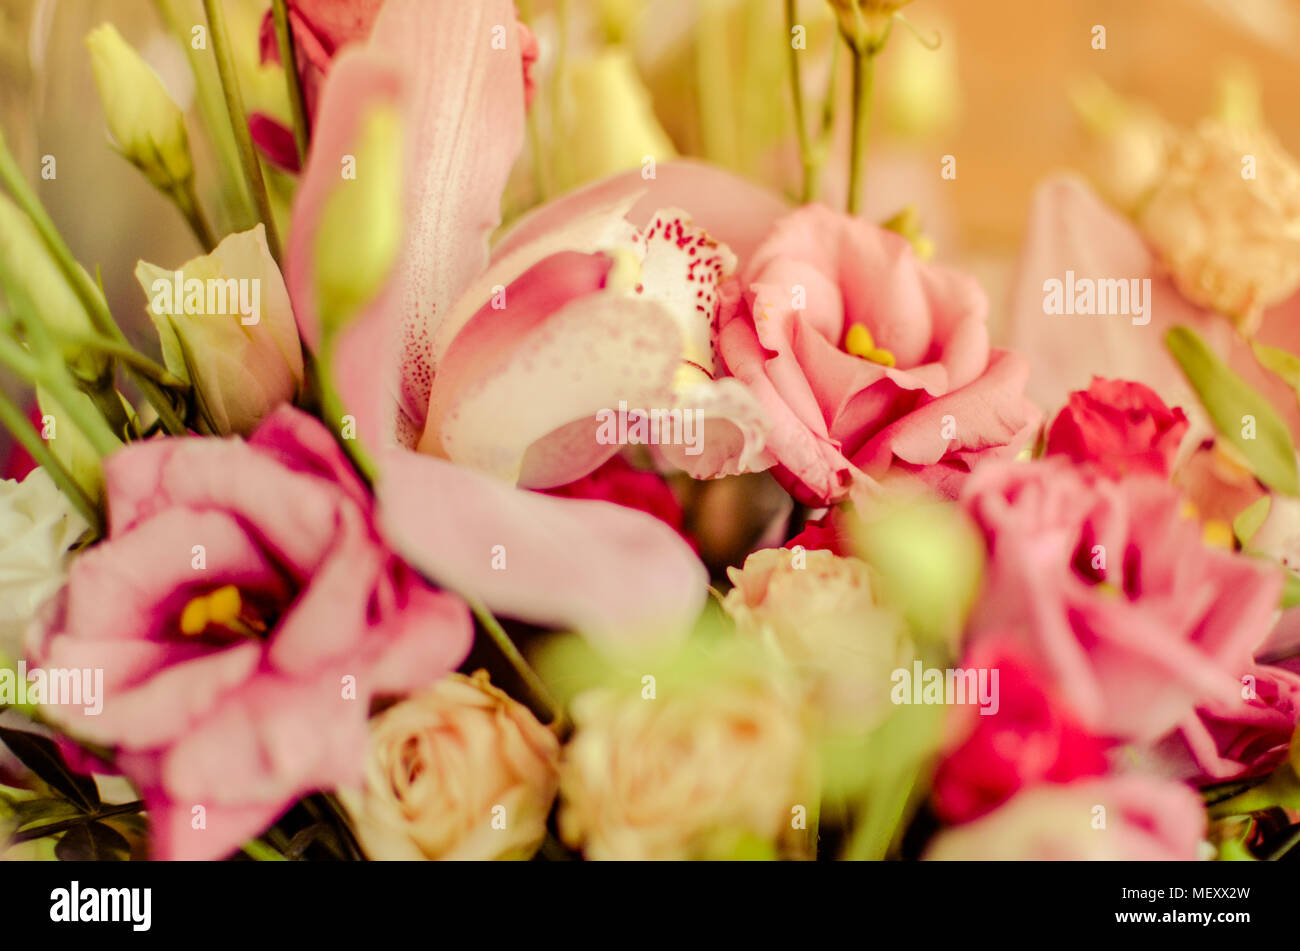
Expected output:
{"points": [[541, 695], [796, 88], [258, 850], [864, 71], [16, 421], [129, 357], [187, 202], [54, 377], [89, 295], [332, 410], [239, 121], [237, 203], [292, 81]]}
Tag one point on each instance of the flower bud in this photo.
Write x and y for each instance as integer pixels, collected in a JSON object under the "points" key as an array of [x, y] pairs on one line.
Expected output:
{"points": [[145, 122], [360, 231], [35, 288], [615, 125], [227, 329], [460, 771], [865, 23]]}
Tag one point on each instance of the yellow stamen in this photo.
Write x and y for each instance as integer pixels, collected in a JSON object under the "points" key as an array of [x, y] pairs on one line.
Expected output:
{"points": [[224, 605], [223, 609], [858, 342], [194, 619]]}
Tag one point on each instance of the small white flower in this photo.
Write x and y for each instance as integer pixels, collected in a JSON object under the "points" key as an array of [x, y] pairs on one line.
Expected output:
{"points": [[37, 527]]}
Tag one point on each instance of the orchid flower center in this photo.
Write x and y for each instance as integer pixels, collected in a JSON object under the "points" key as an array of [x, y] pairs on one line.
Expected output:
{"points": [[858, 342], [223, 612]]}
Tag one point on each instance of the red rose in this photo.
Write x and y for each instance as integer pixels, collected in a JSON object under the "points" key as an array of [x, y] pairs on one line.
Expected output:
{"points": [[1119, 426], [1029, 740]]}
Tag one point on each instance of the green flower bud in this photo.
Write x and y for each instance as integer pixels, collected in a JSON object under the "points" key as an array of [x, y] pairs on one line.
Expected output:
{"points": [[145, 122], [360, 228], [36, 289]]}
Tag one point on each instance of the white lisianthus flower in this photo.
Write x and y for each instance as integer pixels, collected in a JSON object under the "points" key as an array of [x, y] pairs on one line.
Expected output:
{"points": [[37, 527]]}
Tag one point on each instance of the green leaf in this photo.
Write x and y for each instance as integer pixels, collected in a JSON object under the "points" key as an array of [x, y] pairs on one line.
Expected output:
{"points": [[1228, 399], [1249, 520], [92, 842], [43, 758], [1281, 362], [41, 811], [1291, 592]]}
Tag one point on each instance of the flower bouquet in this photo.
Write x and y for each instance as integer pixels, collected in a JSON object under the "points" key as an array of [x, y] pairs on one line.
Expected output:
{"points": [[502, 465]]}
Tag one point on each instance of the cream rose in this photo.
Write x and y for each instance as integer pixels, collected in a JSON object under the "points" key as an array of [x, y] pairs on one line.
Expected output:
{"points": [[697, 773], [37, 527], [1225, 219], [460, 771], [817, 611]]}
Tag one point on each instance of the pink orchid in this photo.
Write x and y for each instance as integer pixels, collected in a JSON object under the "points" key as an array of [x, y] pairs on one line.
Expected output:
{"points": [[320, 30], [244, 612], [476, 375], [1107, 589], [1071, 229], [869, 359]]}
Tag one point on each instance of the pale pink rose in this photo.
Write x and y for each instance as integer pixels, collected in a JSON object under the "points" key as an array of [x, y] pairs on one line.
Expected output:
{"points": [[244, 612], [460, 771], [1248, 735], [867, 358], [1119, 818], [1105, 587]]}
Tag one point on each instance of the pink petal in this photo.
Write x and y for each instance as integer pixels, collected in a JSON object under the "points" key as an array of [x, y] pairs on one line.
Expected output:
{"points": [[732, 210], [620, 576]]}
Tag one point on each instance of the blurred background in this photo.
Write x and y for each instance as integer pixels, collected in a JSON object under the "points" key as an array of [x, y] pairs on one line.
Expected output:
{"points": [[1015, 90]]}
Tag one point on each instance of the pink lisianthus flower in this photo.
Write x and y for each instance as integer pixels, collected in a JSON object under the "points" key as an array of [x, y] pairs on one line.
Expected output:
{"points": [[1112, 594], [867, 358], [477, 375], [1119, 426], [244, 612], [1116, 818], [1028, 740], [1248, 735]]}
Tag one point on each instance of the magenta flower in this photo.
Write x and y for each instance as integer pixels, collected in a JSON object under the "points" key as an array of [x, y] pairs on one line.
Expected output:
{"points": [[244, 611], [1248, 735], [1110, 592]]}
